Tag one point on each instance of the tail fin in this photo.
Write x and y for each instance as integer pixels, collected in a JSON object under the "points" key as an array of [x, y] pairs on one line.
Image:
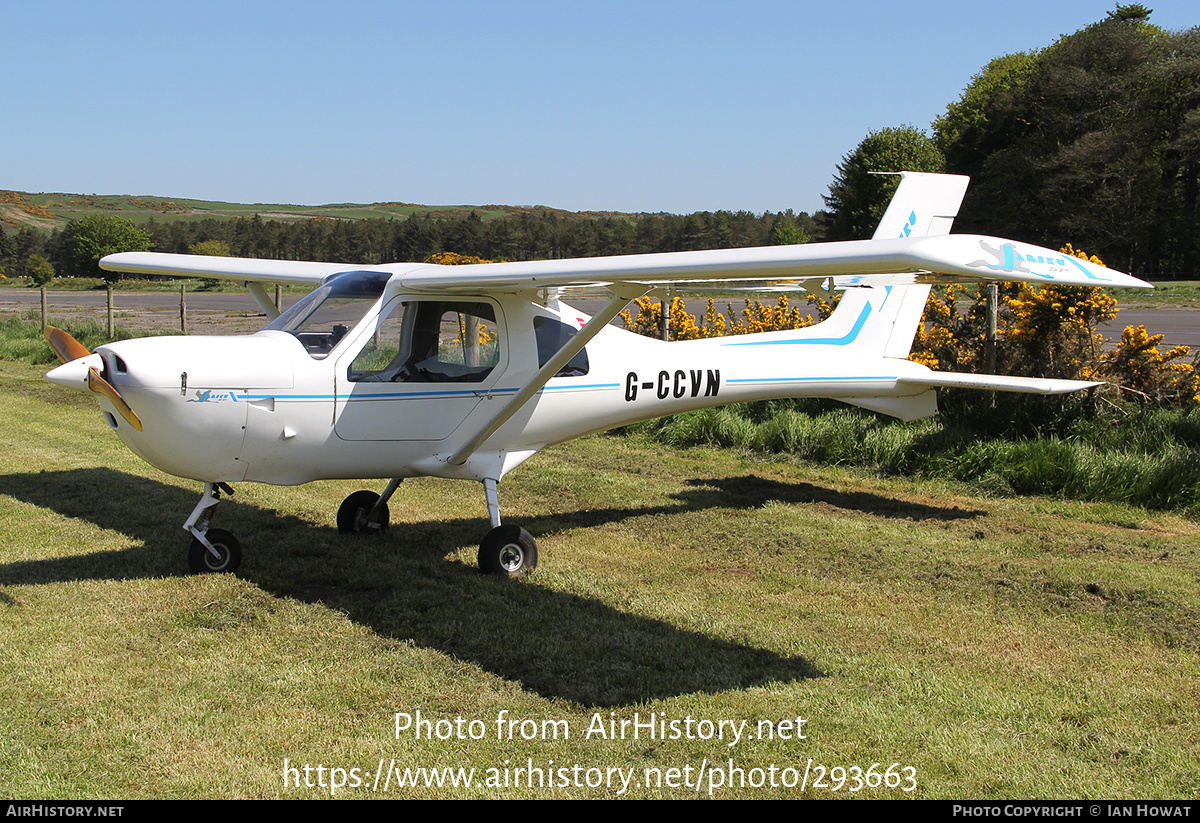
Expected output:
{"points": [[924, 205]]}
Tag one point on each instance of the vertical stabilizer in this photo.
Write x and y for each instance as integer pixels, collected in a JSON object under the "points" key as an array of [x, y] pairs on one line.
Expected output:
{"points": [[924, 205]]}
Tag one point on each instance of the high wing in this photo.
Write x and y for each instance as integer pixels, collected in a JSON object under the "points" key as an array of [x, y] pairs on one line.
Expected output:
{"points": [[243, 269], [900, 261]]}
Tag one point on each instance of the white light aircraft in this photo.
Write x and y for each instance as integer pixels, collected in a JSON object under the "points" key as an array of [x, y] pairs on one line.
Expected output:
{"points": [[413, 369]]}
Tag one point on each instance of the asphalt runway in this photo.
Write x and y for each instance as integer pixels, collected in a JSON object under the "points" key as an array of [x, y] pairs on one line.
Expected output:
{"points": [[234, 312]]}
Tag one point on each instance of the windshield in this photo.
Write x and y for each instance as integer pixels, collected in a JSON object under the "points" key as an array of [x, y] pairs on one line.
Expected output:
{"points": [[324, 316]]}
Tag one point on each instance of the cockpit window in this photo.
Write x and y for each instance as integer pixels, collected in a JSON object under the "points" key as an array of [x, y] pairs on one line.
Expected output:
{"points": [[323, 317], [551, 336], [447, 341]]}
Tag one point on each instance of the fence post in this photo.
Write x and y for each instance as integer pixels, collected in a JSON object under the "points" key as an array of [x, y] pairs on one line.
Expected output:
{"points": [[989, 340], [664, 315], [110, 311], [43, 307], [183, 308]]}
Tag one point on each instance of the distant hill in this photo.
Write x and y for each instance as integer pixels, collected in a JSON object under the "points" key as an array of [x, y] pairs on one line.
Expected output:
{"points": [[376, 232], [48, 211]]}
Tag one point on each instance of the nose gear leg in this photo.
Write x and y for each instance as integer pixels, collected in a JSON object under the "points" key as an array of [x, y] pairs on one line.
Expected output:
{"points": [[212, 550]]}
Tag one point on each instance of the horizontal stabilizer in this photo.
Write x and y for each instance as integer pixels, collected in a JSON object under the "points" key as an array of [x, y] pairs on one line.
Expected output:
{"points": [[997, 382]]}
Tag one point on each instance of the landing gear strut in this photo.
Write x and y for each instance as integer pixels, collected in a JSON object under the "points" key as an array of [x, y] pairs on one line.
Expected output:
{"points": [[212, 550], [507, 550]]}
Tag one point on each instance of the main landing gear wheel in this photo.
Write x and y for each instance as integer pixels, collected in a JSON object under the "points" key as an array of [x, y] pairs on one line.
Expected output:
{"points": [[353, 513], [201, 560], [508, 551]]}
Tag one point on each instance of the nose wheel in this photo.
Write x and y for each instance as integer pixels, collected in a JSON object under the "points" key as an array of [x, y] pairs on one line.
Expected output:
{"points": [[212, 551], [225, 555]]}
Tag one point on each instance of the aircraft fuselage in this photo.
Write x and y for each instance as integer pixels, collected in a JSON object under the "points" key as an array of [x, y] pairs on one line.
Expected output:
{"points": [[263, 408]]}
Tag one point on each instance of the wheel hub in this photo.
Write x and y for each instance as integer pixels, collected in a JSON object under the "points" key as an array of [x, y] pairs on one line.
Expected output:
{"points": [[216, 557], [511, 557]]}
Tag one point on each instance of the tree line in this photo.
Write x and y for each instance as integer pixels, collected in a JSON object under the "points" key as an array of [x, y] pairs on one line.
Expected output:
{"points": [[74, 250]]}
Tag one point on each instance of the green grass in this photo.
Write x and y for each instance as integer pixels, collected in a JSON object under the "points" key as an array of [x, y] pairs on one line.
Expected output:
{"points": [[1143, 457], [22, 341], [1003, 647]]}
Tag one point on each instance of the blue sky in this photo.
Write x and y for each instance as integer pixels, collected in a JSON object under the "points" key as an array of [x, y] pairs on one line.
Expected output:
{"points": [[627, 106]]}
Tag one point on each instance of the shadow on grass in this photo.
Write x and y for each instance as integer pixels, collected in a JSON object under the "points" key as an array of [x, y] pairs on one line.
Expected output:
{"points": [[557, 644], [752, 491]]}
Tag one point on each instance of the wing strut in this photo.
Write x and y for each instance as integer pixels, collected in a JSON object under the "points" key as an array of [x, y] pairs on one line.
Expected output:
{"points": [[264, 301], [622, 295]]}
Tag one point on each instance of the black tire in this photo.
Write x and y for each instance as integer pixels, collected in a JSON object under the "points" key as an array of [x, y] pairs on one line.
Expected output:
{"points": [[508, 551], [201, 561], [352, 514]]}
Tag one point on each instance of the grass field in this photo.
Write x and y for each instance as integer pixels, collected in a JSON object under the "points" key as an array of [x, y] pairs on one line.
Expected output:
{"points": [[996, 647]]}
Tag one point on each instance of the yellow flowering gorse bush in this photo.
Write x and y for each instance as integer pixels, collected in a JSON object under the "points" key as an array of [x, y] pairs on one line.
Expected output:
{"points": [[754, 318], [1139, 368]]}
